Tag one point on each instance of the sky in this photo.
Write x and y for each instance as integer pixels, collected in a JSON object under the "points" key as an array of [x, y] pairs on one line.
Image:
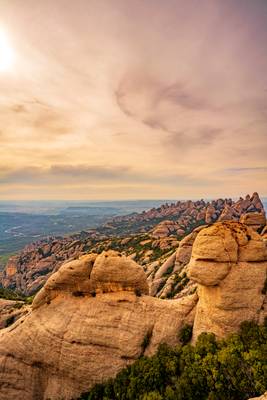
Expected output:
{"points": [[132, 99]]}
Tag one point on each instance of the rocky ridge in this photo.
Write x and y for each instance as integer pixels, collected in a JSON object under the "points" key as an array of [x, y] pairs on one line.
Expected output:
{"points": [[95, 317], [28, 271], [96, 310]]}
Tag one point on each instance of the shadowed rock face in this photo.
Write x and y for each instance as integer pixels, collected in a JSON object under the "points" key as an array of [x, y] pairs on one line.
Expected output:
{"points": [[255, 220], [88, 322], [229, 264], [93, 317]]}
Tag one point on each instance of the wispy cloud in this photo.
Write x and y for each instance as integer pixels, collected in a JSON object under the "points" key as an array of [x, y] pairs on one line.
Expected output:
{"points": [[146, 96], [245, 169]]}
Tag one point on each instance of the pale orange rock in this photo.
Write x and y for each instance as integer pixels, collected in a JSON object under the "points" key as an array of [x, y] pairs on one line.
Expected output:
{"points": [[254, 220], [229, 264], [75, 338]]}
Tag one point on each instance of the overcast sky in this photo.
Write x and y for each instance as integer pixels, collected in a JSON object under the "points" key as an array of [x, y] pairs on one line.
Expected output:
{"points": [[127, 99]]}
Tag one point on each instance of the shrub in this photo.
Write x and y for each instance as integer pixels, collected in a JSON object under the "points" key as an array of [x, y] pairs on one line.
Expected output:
{"points": [[185, 334], [230, 369], [10, 321], [264, 289], [138, 292], [146, 340]]}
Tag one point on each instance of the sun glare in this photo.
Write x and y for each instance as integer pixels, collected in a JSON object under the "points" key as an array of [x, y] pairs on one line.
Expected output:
{"points": [[6, 53]]}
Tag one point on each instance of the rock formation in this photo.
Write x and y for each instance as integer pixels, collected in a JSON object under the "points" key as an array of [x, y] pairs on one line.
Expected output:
{"points": [[10, 311], [91, 319], [93, 316], [170, 279], [255, 220], [28, 271], [229, 263]]}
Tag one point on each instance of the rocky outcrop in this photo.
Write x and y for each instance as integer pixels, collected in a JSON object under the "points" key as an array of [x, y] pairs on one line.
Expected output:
{"points": [[93, 316], [229, 264], [11, 311], [166, 228], [91, 275], [191, 213], [91, 319], [170, 279], [28, 271], [256, 220]]}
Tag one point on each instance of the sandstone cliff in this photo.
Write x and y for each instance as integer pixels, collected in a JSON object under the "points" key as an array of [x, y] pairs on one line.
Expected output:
{"points": [[93, 316], [28, 271], [229, 263], [90, 320]]}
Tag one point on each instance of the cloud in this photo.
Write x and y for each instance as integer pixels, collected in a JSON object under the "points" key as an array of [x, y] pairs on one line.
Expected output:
{"points": [[35, 120], [101, 97], [181, 96], [61, 174], [245, 170], [202, 137], [141, 97], [88, 174]]}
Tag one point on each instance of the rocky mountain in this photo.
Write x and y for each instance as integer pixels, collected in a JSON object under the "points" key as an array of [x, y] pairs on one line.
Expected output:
{"points": [[95, 316], [179, 218], [150, 246]]}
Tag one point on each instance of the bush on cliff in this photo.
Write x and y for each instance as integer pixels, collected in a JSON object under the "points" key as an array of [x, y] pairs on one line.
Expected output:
{"points": [[230, 369], [9, 294]]}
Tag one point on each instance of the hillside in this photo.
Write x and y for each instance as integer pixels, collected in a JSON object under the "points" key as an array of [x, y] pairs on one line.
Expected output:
{"points": [[148, 237], [94, 317]]}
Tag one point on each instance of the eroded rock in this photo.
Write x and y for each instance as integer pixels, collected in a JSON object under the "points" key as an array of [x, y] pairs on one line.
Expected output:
{"points": [[229, 264], [91, 319]]}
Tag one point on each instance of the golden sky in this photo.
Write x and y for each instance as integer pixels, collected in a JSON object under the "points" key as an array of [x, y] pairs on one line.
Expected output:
{"points": [[128, 99]]}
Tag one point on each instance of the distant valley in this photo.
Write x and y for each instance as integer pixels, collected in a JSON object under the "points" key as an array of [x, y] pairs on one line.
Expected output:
{"points": [[24, 222]]}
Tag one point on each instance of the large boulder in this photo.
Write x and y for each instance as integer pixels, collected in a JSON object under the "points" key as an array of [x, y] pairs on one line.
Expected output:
{"points": [[10, 311], [255, 220], [229, 264], [91, 319]]}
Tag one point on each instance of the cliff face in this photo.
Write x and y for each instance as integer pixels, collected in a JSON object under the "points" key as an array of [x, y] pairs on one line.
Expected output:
{"points": [[93, 316], [28, 271], [91, 319], [229, 263]]}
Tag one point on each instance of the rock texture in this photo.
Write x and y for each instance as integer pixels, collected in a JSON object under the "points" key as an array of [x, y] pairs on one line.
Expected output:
{"points": [[28, 271], [93, 316], [229, 264], [164, 226], [256, 220], [91, 319], [10, 311], [169, 280]]}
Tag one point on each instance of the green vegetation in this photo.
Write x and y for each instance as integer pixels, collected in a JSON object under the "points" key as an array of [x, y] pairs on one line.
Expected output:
{"points": [[185, 334], [179, 283], [231, 369], [264, 289], [9, 294], [10, 321], [133, 244], [146, 340], [4, 259]]}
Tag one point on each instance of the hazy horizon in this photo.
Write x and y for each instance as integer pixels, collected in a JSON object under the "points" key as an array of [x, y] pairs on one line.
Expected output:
{"points": [[132, 99]]}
